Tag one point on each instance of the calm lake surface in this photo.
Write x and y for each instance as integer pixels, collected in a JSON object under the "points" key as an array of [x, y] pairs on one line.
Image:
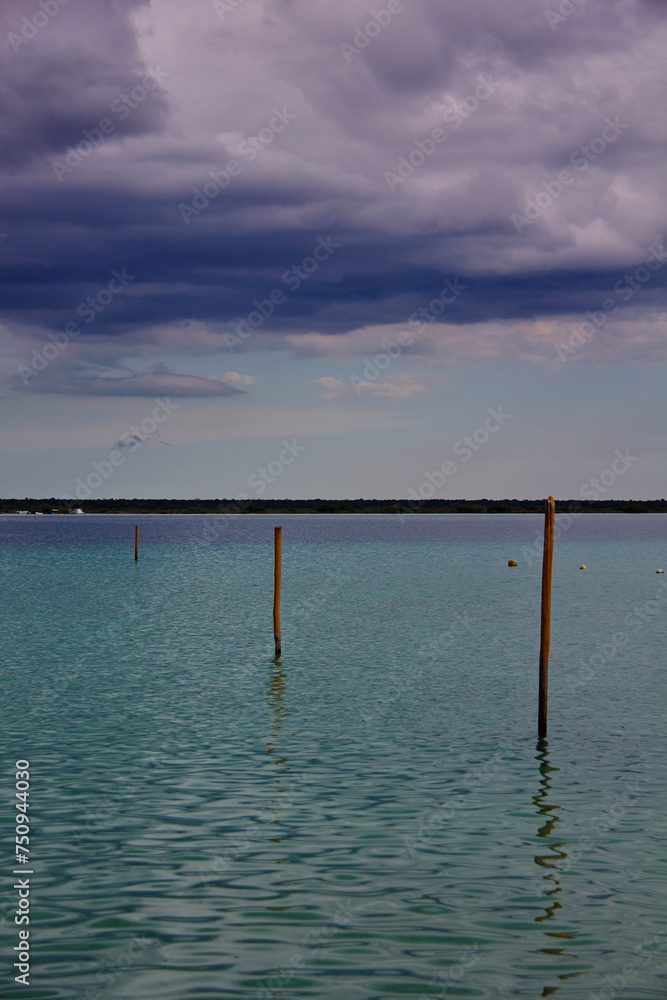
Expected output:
{"points": [[371, 817]]}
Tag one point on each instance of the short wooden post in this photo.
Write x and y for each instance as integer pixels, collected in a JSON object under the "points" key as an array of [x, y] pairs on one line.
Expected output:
{"points": [[136, 542], [278, 544], [545, 635]]}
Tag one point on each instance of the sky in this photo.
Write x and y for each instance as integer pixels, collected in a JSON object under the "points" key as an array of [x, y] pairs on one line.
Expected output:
{"points": [[287, 248]]}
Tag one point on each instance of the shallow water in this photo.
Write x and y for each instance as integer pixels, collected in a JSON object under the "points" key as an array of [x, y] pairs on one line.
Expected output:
{"points": [[373, 816]]}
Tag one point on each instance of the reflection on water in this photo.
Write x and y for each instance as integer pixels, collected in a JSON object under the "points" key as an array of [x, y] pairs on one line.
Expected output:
{"points": [[277, 743], [551, 888], [235, 827], [550, 813]]}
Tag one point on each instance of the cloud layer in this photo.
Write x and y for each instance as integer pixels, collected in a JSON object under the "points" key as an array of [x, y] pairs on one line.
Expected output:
{"points": [[295, 174]]}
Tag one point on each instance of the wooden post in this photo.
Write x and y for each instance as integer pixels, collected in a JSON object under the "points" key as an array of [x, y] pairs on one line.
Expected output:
{"points": [[136, 542], [545, 635], [278, 543]]}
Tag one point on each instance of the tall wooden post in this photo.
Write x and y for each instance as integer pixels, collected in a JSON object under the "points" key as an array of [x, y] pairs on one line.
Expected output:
{"points": [[278, 544], [545, 635], [136, 542]]}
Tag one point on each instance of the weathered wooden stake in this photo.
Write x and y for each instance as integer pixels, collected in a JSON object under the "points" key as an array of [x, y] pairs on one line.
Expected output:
{"points": [[136, 542], [278, 544], [545, 636]]}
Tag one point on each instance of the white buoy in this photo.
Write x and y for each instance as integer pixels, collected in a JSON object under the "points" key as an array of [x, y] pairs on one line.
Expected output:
{"points": [[660, 571]]}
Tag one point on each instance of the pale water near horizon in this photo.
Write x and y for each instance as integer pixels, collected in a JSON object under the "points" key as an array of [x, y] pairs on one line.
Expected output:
{"points": [[372, 817]]}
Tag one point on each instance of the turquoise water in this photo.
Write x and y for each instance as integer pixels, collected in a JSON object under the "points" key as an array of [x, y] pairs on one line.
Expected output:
{"points": [[371, 817]]}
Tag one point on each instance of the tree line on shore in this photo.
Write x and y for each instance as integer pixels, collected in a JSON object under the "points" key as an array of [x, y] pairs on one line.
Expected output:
{"points": [[322, 506]]}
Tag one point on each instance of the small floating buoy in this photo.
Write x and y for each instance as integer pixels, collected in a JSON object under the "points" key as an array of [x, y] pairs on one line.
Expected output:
{"points": [[660, 571], [583, 566], [512, 562]]}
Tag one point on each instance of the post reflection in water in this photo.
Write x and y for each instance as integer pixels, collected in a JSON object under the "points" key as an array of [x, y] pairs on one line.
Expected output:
{"points": [[551, 887], [276, 743]]}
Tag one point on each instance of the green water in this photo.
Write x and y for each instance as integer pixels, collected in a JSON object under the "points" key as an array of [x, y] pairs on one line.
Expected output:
{"points": [[371, 817]]}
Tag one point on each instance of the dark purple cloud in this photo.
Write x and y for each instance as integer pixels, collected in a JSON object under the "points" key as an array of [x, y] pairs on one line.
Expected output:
{"points": [[77, 69], [415, 146]]}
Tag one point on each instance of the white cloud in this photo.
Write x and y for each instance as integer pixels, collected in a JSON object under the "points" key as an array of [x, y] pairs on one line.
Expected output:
{"points": [[396, 387], [399, 386], [234, 378]]}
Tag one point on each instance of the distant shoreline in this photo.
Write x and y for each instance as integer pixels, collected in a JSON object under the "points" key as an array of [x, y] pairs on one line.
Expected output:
{"points": [[55, 506]]}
